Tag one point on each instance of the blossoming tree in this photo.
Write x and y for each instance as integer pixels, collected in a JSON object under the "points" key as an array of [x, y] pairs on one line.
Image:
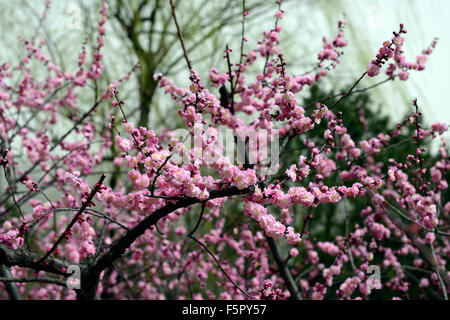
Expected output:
{"points": [[202, 216]]}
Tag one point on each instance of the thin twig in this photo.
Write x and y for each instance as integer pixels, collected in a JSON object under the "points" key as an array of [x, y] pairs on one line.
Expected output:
{"points": [[348, 92], [436, 267], [75, 218], [230, 78], [199, 220]]}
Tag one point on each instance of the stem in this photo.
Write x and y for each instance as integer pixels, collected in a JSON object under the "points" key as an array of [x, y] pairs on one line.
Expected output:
{"points": [[284, 270], [180, 36]]}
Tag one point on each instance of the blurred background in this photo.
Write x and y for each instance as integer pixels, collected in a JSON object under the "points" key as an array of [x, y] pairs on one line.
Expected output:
{"points": [[143, 32]]}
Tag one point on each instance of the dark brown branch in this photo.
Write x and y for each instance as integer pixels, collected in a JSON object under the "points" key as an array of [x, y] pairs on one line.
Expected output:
{"points": [[75, 218], [284, 270], [305, 221], [119, 247], [241, 56], [342, 94], [11, 190]]}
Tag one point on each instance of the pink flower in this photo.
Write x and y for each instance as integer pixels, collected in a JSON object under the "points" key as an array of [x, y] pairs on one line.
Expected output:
{"points": [[373, 70]]}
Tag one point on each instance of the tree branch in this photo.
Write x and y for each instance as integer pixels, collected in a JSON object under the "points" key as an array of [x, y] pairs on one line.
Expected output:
{"points": [[11, 287], [26, 259], [75, 218], [180, 36]]}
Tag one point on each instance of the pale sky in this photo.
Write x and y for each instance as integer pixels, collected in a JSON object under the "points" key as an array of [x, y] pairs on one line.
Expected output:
{"points": [[370, 22]]}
